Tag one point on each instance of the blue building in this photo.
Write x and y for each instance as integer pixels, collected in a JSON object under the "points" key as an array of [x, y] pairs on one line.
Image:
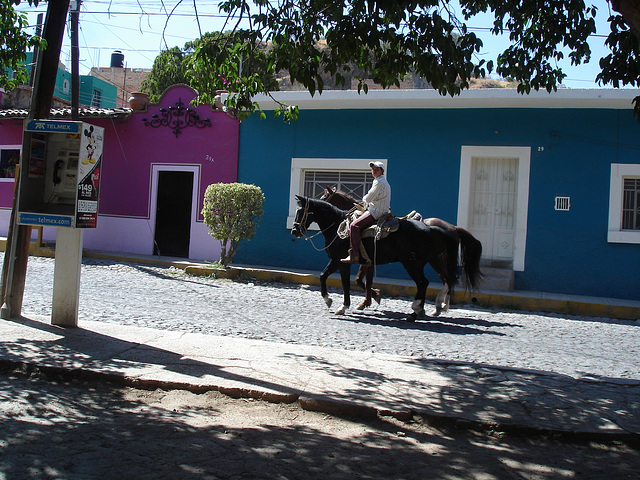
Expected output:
{"points": [[550, 183], [94, 92]]}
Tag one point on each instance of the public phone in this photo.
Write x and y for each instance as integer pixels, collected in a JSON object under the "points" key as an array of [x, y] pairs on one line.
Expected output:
{"points": [[61, 176], [60, 173]]}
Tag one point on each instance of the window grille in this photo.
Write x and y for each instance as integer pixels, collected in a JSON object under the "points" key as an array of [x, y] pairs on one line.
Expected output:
{"points": [[356, 184], [631, 204], [97, 98], [563, 204]]}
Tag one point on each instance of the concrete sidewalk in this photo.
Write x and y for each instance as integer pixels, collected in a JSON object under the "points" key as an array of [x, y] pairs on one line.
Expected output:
{"points": [[333, 381]]}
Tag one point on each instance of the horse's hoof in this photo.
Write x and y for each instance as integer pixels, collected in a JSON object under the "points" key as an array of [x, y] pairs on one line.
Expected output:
{"points": [[328, 301], [377, 297], [412, 317], [417, 308], [364, 304], [436, 312], [341, 310]]}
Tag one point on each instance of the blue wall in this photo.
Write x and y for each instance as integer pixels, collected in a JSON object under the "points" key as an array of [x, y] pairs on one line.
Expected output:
{"points": [[571, 154]]}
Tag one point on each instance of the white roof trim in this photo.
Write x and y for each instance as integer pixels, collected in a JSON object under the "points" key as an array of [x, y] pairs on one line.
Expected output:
{"points": [[476, 98]]}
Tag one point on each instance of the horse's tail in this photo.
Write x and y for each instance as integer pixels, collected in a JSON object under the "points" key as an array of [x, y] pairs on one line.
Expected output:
{"points": [[470, 253], [452, 260]]}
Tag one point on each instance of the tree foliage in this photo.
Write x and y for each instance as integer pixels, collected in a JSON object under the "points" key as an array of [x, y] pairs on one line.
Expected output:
{"points": [[622, 66], [168, 69], [232, 212], [391, 39], [216, 61], [15, 41]]}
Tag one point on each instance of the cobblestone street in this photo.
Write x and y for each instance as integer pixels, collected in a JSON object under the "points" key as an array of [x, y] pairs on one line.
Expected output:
{"points": [[164, 298]]}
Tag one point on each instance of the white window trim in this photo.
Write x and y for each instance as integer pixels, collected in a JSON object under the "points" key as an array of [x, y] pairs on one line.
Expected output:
{"points": [[299, 165], [522, 204], [11, 147], [615, 233]]}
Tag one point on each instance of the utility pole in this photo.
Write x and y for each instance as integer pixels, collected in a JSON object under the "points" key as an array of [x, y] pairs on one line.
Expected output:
{"points": [[66, 274], [34, 58], [75, 59], [17, 250]]}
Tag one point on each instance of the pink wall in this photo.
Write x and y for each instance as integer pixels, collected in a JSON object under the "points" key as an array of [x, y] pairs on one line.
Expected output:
{"points": [[10, 134], [131, 148], [133, 154]]}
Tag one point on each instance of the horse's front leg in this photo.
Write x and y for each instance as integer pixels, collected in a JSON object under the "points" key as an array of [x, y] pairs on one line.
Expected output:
{"points": [[328, 270], [368, 271], [345, 276], [362, 271]]}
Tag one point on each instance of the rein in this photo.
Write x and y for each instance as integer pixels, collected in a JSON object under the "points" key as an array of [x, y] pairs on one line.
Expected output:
{"points": [[303, 220]]}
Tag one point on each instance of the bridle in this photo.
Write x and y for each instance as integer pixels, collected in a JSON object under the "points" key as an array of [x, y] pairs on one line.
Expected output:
{"points": [[303, 222]]}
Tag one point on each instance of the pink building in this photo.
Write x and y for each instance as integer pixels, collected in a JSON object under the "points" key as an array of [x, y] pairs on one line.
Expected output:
{"points": [[156, 166]]}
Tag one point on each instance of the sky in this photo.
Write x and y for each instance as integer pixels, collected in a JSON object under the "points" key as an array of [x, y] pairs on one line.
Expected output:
{"points": [[140, 29]]}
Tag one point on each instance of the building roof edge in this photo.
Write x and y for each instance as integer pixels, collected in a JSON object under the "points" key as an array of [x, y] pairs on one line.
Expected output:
{"points": [[476, 98]]}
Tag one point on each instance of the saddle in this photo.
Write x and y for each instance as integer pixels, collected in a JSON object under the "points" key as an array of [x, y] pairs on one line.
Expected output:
{"points": [[386, 224]]}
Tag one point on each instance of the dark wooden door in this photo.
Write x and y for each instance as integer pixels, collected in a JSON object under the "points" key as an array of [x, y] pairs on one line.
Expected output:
{"points": [[173, 214]]}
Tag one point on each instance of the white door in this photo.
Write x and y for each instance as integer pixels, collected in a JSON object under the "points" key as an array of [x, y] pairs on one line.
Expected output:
{"points": [[493, 205]]}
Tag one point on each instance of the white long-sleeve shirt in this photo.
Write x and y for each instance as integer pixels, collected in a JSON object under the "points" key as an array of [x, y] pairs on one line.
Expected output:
{"points": [[378, 199]]}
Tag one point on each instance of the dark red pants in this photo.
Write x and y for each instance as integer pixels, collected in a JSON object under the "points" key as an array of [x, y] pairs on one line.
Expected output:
{"points": [[355, 230]]}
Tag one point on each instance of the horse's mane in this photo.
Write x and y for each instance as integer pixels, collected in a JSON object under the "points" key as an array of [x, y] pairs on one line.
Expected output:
{"points": [[346, 195], [327, 206]]}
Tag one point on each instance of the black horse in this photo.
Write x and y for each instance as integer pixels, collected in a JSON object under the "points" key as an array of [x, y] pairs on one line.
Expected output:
{"points": [[471, 249], [414, 245]]}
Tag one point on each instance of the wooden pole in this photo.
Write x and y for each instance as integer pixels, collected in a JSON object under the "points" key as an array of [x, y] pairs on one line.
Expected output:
{"points": [[75, 60], [8, 246], [41, 99]]}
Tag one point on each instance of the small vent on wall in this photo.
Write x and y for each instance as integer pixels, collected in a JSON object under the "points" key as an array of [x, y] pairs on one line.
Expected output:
{"points": [[563, 203]]}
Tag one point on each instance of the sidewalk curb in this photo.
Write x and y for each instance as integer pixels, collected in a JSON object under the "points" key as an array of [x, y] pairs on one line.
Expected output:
{"points": [[317, 403]]}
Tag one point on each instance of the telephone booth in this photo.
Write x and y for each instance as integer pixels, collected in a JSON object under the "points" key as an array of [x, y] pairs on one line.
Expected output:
{"points": [[60, 174]]}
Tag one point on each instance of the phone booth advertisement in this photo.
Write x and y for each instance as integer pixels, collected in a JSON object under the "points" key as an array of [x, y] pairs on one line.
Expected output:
{"points": [[91, 142], [60, 174]]}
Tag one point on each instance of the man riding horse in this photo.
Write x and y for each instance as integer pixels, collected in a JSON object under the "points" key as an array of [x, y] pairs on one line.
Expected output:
{"points": [[378, 204]]}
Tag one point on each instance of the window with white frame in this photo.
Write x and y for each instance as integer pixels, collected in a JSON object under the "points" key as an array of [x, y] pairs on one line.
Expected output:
{"points": [[624, 204], [310, 176], [356, 184], [9, 158]]}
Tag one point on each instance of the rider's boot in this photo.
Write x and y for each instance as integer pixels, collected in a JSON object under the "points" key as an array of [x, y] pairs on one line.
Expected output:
{"points": [[350, 258]]}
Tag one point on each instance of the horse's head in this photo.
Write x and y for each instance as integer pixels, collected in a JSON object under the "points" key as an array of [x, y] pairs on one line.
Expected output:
{"points": [[302, 219], [328, 193], [338, 199]]}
